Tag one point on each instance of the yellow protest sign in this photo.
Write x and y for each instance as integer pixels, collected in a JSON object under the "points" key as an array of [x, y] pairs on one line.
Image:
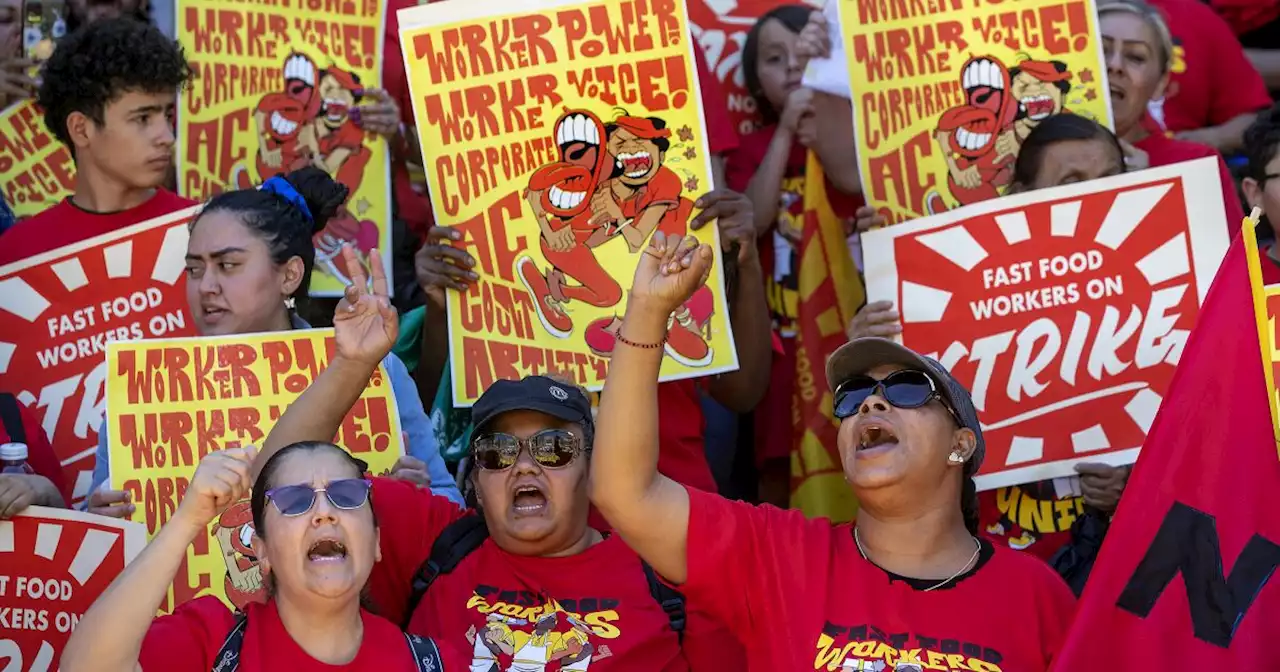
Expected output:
{"points": [[38, 170], [557, 137], [276, 89], [1266, 308], [945, 92], [170, 402]]}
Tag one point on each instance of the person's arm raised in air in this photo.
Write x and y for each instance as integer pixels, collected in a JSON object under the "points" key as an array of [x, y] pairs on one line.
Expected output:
{"points": [[649, 510], [109, 636], [365, 327]]}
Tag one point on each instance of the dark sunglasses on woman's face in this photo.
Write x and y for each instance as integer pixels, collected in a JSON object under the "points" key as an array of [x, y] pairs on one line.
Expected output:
{"points": [[903, 389], [345, 494], [551, 448]]}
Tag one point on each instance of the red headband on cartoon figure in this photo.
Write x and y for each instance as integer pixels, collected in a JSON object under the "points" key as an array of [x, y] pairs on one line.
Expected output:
{"points": [[1043, 71], [642, 128], [345, 79]]}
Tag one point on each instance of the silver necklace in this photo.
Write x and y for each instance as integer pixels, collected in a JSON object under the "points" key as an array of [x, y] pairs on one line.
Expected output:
{"points": [[858, 541]]}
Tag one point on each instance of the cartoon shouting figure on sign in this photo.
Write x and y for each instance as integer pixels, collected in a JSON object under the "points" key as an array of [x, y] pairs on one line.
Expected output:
{"points": [[981, 138], [309, 122], [579, 208], [234, 533]]}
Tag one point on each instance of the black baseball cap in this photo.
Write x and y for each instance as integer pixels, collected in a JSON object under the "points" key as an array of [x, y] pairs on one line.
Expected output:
{"points": [[532, 393], [860, 355]]}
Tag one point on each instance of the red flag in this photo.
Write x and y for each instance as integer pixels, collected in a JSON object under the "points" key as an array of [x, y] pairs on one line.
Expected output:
{"points": [[1182, 580]]}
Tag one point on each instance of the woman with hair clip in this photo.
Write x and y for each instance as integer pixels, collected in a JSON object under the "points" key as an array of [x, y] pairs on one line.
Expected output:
{"points": [[317, 541], [908, 583], [249, 260]]}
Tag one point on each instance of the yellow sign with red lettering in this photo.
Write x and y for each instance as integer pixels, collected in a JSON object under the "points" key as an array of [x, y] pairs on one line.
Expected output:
{"points": [[558, 137], [1266, 308], [38, 170], [170, 402], [277, 88], [946, 92]]}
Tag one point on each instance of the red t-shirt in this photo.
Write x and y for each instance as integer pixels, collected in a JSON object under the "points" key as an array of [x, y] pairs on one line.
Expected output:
{"points": [[682, 456], [1212, 81], [40, 455], [66, 224], [800, 596], [1030, 517], [491, 603], [1245, 16], [1270, 268], [721, 138], [190, 637], [1163, 150]]}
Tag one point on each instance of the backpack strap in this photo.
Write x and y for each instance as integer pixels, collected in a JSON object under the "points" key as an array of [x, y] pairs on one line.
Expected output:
{"points": [[456, 541], [672, 600], [228, 658], [12, 417], [425, 654]]}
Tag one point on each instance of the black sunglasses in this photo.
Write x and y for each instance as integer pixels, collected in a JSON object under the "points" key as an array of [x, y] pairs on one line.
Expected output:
{"points": [[903, 389], [552, 448], [345, 494]]}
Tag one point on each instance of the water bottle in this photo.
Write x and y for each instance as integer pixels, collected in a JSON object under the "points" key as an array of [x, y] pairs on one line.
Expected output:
{"points": [[13, 459]]}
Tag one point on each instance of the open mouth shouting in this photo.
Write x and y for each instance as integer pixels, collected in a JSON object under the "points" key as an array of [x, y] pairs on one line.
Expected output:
{"points": [[327, 551], [982, 80], [971, 140], [566, 200], [1038, 107], [635, 164], [528, 499], [335, 109], [875, 436], [282, 127]]}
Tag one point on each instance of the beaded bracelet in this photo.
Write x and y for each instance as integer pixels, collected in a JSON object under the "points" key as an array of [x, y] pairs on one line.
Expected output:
{"points": [[643, 346]]}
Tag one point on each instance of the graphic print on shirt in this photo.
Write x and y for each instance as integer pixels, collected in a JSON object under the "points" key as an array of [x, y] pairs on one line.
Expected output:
{"points": [[981, 138], [783, 284], [1032, 510], [543, 637], [612, 181], [866, 648], [308, 123]]}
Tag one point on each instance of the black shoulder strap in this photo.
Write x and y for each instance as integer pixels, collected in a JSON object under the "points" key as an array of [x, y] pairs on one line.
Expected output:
{"points": [[672, 600], [456, 541], [425, 654], [228, 658], [12, 417]]}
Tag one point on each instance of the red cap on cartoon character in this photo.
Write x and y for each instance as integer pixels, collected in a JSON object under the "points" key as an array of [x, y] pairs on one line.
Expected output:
{"points": [[988, 110], [642, 128], [567, 184]]}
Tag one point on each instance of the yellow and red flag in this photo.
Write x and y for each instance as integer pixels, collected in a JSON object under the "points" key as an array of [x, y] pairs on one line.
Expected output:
{"points": [[830, 293]]}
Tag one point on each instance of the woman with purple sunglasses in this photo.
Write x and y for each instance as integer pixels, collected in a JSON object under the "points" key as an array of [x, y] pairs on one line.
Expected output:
{"points": [[316, 539]]}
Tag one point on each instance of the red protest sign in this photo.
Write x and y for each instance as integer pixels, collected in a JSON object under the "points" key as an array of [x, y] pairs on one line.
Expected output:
{"points": [[1064, 311], [56, 563], [62, 307]]}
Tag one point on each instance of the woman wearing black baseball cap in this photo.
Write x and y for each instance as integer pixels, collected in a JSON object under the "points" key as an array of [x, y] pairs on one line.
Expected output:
{"points": [[908, 583]]}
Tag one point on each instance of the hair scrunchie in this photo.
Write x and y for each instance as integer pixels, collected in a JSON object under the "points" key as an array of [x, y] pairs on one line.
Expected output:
{"points": [[281, 187]]}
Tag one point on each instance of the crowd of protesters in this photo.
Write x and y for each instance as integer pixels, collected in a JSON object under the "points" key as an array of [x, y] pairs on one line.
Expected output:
{"points": [[671, 503]]}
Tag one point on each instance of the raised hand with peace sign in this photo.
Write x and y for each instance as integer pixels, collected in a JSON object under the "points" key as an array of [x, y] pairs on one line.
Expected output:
{"points": [[365, 324]]}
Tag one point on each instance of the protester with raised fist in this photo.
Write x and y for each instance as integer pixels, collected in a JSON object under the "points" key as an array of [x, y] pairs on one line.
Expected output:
{"points": [[909, 442], [316, 539]]}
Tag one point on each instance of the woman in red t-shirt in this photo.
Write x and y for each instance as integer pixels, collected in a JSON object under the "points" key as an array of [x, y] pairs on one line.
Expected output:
{"points": [[537, 584], [909, 584], [1139, 54], [316, 544]]}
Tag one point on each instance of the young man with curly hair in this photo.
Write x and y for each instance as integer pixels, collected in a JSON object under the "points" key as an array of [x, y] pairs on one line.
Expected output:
{"points": [[109, 93]]}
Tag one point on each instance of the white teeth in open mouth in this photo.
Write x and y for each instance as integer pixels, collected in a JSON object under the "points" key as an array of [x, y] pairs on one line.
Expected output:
{"points": [[1037, 107], [528, 499], [298, 67], [983, 73], [874, 436], [565, 199], [327, 549], [577, 128], [281, 125], [970, 140], [634, 165]]}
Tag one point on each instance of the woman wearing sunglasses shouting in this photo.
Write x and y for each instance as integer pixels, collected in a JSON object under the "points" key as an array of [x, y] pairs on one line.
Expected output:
{"points": [[525, 584], [908, 584], [316, 538]]}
